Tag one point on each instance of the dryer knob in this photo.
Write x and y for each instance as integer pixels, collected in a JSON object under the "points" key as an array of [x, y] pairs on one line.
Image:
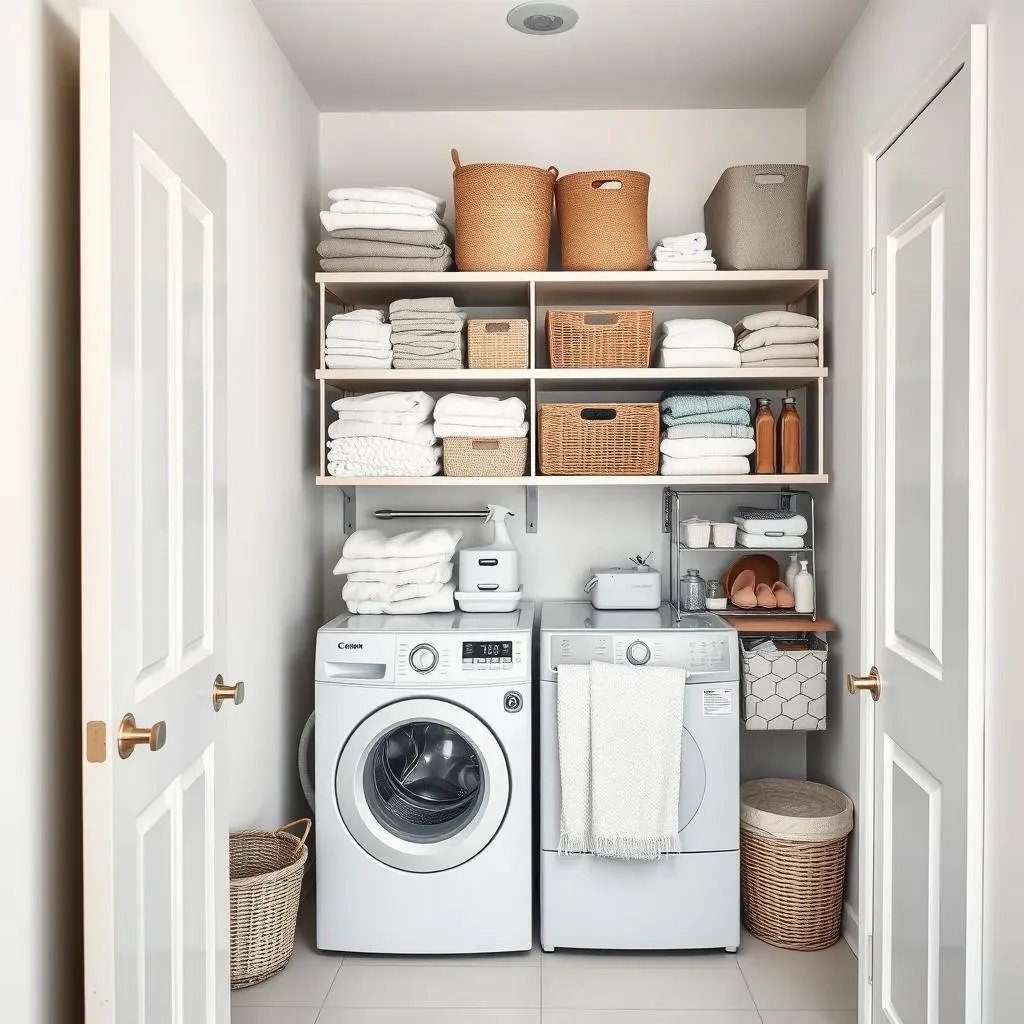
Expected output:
{"points": [[638, 653], [423, 658]]}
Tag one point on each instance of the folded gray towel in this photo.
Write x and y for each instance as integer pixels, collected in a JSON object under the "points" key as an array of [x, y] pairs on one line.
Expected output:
{"points": [[452, 362], [339, 248], [407, 341], [424, 324], [441, 304], [386, 264], [436, 237]]}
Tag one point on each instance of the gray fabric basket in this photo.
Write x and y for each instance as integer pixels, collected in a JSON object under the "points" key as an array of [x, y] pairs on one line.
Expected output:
{"points": [[756, 217]]}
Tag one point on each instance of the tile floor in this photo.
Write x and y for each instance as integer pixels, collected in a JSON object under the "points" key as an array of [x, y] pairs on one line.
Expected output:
{"points": [[759, 985]]}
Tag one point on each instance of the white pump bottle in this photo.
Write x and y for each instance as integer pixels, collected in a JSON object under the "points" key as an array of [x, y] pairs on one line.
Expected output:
{"points": [[495, 566]]}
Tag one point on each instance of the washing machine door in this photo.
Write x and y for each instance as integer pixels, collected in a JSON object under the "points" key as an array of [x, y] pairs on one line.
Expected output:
{"points": [[422, 785]]}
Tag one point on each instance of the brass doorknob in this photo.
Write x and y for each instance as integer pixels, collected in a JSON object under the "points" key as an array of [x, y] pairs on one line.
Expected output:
{"points": [[223, 692], [130, 736], [871, 683]]}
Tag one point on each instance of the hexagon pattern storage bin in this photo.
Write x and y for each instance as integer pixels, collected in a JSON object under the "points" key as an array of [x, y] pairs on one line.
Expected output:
{"points": [[784, 689]]}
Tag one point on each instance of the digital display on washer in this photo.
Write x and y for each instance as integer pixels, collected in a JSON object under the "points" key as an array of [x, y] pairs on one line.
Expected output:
{"points": [[480, 649]]}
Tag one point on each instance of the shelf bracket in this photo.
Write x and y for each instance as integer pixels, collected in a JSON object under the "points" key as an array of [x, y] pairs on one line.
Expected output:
{"points": [[348, 510], [530, 510], [666, 510]]}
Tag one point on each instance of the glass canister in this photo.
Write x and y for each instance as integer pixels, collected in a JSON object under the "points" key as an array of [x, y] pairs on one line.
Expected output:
{"points": [[715, 596], [692, 592]]}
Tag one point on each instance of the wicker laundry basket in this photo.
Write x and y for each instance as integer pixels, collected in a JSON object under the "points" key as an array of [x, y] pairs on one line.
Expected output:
{"points": [[266, 870], [498, 344], [484, 456], [793, 839], [600, 439], [602, 218], [599, 337], [502, 215]]}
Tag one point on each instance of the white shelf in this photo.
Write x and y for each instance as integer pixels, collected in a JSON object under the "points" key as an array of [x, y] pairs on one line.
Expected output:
{"points": [[776, 480]]}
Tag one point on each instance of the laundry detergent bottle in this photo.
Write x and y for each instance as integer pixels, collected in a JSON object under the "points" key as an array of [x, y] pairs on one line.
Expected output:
{"points": [[495, 566]]}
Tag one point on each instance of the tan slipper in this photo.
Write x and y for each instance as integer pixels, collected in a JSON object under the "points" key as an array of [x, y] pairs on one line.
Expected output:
{"points": [[783, 595], [743, 590], [765, 596]]}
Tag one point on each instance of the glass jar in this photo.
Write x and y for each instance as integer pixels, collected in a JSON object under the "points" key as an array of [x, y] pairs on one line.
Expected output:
{"points": [[715, 598], [692, 592]]}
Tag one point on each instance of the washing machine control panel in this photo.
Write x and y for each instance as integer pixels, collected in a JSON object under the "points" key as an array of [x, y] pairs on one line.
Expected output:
{"points": [[454, 659], [701, 653]]}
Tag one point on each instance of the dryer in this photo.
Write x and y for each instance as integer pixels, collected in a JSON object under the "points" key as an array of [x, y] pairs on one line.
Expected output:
{"points": [[684, 900], [423, 783]]}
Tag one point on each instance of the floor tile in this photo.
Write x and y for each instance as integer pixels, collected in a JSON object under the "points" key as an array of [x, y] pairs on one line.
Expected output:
{"points": [[274, 1014], [644, 988], [304, 982], [651, 1017], [447, 1015], [613, 960], [826, 980], [809, 1016], [436, 986]]}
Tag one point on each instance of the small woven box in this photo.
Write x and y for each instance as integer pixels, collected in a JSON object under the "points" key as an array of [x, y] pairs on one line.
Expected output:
{"points": [[601, 439], [498, 344], [484, 456], [592, 338]]}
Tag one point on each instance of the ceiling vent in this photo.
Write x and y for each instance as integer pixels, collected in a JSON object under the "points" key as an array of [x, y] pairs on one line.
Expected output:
{"points": [[541, 19]]}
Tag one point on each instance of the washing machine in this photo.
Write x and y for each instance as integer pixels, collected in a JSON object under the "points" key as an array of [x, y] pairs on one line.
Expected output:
{"points": [[423, 774], [684, 900]]}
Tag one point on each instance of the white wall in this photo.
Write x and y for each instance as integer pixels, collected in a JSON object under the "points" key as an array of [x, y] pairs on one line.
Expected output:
{"points": [[219, 59], [895, 45]]}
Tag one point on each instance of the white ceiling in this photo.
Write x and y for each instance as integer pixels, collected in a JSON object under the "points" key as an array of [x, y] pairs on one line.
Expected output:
{"points": [[627, 54]]}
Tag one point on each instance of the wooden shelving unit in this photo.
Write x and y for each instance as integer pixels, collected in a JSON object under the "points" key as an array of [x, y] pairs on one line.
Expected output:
{"points": [[722, 294]]}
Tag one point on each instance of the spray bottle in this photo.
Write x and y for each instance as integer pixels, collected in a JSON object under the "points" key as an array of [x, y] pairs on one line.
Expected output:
{"points": [[495, 566]]}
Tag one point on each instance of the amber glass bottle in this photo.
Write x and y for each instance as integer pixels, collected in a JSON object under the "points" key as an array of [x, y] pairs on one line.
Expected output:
{"points": [[764, 437], [790, 455]]}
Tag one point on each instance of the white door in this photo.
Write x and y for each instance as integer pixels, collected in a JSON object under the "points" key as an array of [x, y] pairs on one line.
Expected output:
{"points": [[153, 545], [921, 476]]}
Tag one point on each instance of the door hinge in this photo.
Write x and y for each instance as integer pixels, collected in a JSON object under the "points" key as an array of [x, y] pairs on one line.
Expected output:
{"points": [[874, 270], [95, 742]]}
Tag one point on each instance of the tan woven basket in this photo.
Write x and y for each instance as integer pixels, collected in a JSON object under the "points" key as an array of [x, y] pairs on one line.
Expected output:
{"points": [[602, 217], [502, 215], [498, 344], [484, 456], [266, 871], [792, 882], [599, 337], [604, 439]]}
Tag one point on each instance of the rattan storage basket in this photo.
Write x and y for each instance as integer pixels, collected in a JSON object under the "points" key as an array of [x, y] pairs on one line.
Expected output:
{"points": [[498, 344], [603, 439], [602, 218], [793, 838], [266, 870], [502, 215], [484, 456], [599, 337]]}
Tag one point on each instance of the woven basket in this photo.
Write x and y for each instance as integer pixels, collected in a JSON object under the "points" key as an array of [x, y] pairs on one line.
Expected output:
{"points": [[484, 456], [502, 215], [602, 217], [793, 881], [266, 871], [599, 337], [498, 344], [606, 439]]}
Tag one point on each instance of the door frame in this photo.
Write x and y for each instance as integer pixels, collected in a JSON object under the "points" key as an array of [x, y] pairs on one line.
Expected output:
{"points": [[970, 55]]}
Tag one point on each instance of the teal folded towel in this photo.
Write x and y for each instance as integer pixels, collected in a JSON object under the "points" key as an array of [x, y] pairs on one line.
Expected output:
{"points": [[677, 405], [740, 417]]}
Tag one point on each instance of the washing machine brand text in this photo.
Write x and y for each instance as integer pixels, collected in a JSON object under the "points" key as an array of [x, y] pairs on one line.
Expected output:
{"points": [[350, 647]]}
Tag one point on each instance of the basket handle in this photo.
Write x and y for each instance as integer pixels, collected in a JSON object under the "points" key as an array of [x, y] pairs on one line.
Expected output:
{"points": [[500, 327], [598, 414], [553, 171], [455, 159], [306, 823], [485, 445], [600, 319], [606, 184], [769, 179]]}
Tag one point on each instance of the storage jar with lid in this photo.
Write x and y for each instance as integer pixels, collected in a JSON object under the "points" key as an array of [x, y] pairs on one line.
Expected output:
{"points": [[715, 598], [692, 592]]}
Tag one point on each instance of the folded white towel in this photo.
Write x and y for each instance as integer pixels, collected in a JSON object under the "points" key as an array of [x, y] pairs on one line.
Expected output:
{"points": [[373, 316], [699, 447], [378, 591], [710, 465], [357, 361], [371, 206], [763, 541], [481, 429], [708, 430], [435, 572], [749, 340], [382, 456], [361, 406], [774, 318], [479, 409], [375, 568], [412, 433], [358, 330], [572, 695], [698, 357], [809, 350], [675, 256], [442, 601], [686, 243], [689, 265], [437, 542], [795, 524], [767, 363], [388, 194], [389, 221], [684, 332], [346, 346]]}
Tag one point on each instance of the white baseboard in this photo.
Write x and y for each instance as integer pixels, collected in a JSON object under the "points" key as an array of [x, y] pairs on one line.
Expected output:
{"points": [[851, 928]]}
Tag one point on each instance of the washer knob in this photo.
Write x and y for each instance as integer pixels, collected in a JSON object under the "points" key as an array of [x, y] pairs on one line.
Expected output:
{"points": [[638, 653], [423, 658]]}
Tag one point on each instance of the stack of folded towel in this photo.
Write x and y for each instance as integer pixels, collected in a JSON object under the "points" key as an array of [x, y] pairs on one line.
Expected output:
{"points": [[360, 339], [769, 528], [777, 337], [473, 416], [387, 433], [427, 334], [686, 342], [384, 229], [684, 252], [706, 435], [407, 574]]}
